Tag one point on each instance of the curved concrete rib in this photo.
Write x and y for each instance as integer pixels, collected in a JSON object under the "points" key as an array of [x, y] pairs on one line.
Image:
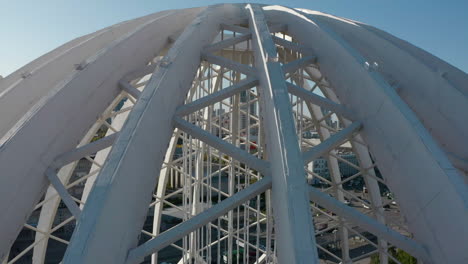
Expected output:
{"points": [[438, 102], [135, 150], [38, 137], [455, 76], [293, 228], [16, 95], [400, 158]]}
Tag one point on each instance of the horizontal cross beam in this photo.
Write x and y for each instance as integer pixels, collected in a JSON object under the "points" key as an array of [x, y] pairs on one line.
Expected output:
{"points": [[227, 43], [292, 46], [84, 151], [332, 142], [299, 63], [368, 223], [230, 64], [216, 97], [63, 193], [172, 235], [126, 86], [223, 146], [235, 28], [319, 100]]}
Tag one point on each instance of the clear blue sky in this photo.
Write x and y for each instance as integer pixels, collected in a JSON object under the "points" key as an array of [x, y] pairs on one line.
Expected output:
{"points": [[30, 28]]}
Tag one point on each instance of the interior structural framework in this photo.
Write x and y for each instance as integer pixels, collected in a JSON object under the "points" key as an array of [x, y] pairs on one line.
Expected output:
{"points": [[234, 133]]}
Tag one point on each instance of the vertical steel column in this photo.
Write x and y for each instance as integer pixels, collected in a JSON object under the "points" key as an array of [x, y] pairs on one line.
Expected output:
{"points": [[293, 220], [161, 188], [232, 171], [167, 171], [197, 193]]}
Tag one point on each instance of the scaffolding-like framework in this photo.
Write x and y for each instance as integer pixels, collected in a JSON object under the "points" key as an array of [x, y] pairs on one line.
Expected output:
{"points": [[234, 133]]}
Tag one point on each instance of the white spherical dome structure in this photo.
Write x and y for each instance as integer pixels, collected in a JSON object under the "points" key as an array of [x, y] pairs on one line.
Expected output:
{"points": [[234, 133]]}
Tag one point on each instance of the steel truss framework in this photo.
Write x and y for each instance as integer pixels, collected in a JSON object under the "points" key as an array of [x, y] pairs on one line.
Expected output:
{"points": [[203, 114]]}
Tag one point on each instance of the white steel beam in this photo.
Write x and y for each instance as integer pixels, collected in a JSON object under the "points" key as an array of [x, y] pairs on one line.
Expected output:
{"points": [[293, 220], [319, 100], [48, 213], [332, 142], [134, 163], [278, 28], [84, 151], [227, 43], [299, 63], [126, 86], [62, 191], [368, 223], [235, 28], [292, 46], [166, 238], [223, 146], [216, 97], [230, 64]]}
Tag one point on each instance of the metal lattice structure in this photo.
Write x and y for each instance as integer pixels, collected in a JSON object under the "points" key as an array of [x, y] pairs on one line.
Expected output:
{"points": [[234, 133]]}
